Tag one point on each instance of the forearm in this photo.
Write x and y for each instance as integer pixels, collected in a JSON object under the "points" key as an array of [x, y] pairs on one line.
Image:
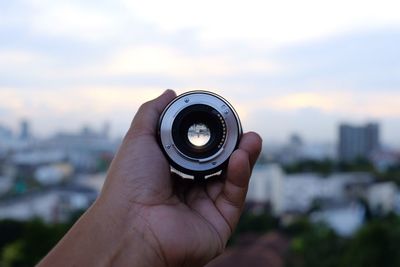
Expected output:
{"points": [[100, 239]]}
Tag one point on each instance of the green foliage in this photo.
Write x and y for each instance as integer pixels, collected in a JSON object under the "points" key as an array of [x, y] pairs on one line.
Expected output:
{"points": [[375, 245], [12, 254], [298, 227], [316, 246], [259, 223], [10, 231], [26, 243], [391, 174], [359, 165], [323, 167], [254, 223], [327, 166]]}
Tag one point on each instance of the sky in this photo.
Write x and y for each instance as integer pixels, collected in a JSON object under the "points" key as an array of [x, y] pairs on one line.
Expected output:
{"points": [[287, 66]]}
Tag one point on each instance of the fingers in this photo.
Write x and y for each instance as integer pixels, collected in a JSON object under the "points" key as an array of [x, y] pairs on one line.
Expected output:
{"points": [[231, 199], [251, 143], [146, 118]]}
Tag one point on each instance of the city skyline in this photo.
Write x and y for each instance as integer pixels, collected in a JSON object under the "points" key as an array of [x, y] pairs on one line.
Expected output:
{"points": [[65, 64]]}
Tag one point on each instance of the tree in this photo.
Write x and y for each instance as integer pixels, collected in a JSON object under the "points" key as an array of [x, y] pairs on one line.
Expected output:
{"points": [[376, 244]]}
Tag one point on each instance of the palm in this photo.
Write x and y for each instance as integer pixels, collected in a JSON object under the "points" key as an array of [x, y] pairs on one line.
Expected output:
{"points": [[185, 231], [182, 215]]}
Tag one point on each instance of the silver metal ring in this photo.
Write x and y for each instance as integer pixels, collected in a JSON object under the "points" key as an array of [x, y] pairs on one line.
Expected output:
{"points": [[199, 108]]}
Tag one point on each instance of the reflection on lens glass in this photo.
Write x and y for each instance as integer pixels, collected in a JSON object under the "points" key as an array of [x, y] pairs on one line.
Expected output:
{"points": [[199, 134]]}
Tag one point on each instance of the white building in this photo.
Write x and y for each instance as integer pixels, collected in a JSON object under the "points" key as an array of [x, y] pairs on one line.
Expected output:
{"points": [[38, 157], [53, 173], [266, 186], [53, 205], [92, 181], [345, 219], [300, 190], [297, 192], [382, 197]]}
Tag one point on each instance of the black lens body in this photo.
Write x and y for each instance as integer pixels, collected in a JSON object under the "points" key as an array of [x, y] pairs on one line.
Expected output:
{"points": [[199, 114]]}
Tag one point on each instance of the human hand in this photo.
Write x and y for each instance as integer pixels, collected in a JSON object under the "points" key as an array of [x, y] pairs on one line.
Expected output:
{"points": [[152, 217]]}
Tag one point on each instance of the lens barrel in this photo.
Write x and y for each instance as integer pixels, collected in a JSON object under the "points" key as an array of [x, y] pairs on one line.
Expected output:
{"points": [[198, 131]]}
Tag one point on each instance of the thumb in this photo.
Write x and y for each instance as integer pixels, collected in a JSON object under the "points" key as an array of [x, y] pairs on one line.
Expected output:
{"points": [[146, 119]]}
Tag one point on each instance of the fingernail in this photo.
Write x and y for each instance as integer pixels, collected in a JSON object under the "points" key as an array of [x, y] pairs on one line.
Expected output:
{"points": [[167, 91]]}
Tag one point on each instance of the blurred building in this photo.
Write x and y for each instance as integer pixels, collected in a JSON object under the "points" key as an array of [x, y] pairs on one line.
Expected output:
{"points": [[343, 217], [266, 186], [382, 197], [24, 163], [292, 151], [6, 137], [297, 193], [55, 204], [92, 181], [296, 150], [53, 173], [385, 159], [106, 129], [25, 130], [334, 200], [301, 191], [358, 141], [83, 149]]}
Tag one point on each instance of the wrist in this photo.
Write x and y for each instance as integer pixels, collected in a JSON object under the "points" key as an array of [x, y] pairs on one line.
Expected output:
{"points": [[106, 236], [129, 239]]}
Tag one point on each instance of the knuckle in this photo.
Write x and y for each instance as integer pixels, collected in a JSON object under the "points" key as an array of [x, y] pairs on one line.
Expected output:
{"points": [[145, 106]]}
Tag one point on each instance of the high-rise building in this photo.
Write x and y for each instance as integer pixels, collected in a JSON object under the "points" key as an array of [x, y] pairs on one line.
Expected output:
{"points": [[106, 129], [25, 131], [358, 141]]}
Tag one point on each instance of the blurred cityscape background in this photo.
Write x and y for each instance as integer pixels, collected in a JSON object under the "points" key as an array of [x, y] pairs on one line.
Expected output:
{"points": [[319, 80]]}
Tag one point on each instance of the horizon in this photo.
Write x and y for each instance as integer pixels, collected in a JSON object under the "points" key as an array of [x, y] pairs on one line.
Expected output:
{"points": [[271, 143]]}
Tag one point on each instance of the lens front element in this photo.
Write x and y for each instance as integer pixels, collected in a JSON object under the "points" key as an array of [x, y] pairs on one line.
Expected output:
{"points": [[199, 134]]}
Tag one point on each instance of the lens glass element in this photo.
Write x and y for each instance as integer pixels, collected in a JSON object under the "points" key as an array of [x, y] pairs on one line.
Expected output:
{"points": [[199, 134]]}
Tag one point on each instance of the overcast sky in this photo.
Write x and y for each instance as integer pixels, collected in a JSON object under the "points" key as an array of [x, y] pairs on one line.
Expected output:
{"points": [[287, 66]]}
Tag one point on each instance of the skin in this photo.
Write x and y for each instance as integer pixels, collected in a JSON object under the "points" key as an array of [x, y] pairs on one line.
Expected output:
{"points": [[146, 216]]}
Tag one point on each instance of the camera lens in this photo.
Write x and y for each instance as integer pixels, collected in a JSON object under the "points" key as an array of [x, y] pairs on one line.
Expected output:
{"points": [[210, 140], [198, 131]]}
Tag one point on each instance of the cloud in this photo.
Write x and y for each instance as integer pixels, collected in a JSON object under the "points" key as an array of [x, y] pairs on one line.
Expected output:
{"points": [[271, 23], [276, 125], [364, 60], [70, 108], [72, 19], [338, 102], [17, 59], [162, 60]]}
